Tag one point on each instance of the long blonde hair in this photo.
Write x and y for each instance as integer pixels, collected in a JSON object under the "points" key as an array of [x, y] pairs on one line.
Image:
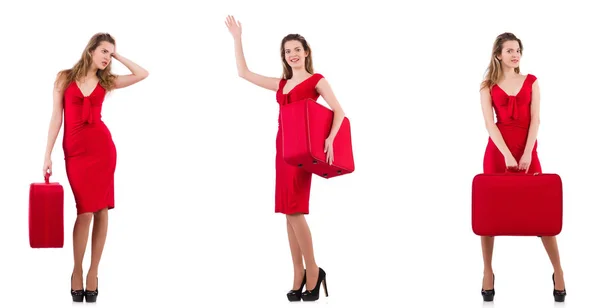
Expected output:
{"points": [[494, 70], [80, 69], [287, 69]]}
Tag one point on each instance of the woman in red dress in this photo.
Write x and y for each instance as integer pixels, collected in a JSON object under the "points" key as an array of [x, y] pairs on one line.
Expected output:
{"points": [[292, 188], [515, 99], [89, 152]]}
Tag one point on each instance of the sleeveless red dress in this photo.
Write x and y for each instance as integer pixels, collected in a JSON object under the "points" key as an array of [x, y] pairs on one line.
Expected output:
{"points": [[513, 115], [292, 184], [90, 154]]}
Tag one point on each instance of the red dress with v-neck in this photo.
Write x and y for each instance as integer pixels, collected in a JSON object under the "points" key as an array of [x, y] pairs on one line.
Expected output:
{"points": [[90, 154], [513, 117], [292, 184]]}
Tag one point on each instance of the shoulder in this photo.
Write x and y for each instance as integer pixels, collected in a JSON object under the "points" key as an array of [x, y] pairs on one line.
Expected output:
{"points": [[531, 77], [318, 79], [62, 78]]}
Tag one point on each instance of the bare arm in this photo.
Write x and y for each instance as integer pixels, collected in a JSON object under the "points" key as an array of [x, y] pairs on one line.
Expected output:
{"points": [[535, 118], [325, 90], [488, 115], [268, 83], [137, 73], [57, 115]]}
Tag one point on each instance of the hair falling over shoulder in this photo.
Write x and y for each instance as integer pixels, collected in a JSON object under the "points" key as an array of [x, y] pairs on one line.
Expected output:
{"points": [[81, 68], [494, 71]]}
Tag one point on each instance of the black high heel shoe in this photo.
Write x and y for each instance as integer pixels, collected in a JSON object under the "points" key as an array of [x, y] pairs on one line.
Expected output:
{"points": [[559, 295], [91, 296], [313, 295], [296, 295], [488, 295], [76, 294]]}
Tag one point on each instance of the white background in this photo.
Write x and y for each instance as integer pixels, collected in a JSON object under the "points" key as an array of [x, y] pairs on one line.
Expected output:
{"points": [[194, 224]]}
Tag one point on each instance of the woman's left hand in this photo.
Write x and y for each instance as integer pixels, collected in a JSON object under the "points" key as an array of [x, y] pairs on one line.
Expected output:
{"points": [[525, 161], [329, 150]]}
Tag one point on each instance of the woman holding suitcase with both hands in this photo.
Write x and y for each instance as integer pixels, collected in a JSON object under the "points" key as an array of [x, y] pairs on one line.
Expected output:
{"points": [[292, 191], [512, 145], [89, 151]]}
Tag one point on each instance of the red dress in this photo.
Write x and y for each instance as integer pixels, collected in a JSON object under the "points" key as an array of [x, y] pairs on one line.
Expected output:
{"points": [[513, 115], [292, 184], [90, 154]]}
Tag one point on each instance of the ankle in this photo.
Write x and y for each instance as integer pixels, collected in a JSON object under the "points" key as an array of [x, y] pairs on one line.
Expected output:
{"points": [[92, 273], [312, 268], [77, 272], [488, 271]]}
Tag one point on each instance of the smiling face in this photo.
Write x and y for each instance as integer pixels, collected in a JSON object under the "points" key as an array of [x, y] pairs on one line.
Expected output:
{"points": [[102, 55], [510, 54], [295, 55]]}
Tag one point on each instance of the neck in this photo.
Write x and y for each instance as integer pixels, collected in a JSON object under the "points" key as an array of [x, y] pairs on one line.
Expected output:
{"points": [[508, 72], [299, 73], [91, 73]]}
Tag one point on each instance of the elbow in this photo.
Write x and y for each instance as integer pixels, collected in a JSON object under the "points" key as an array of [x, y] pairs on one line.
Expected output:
{"points": [[242, 74], [143, 74]]}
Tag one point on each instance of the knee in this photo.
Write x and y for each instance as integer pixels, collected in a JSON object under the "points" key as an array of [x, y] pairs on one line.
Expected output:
{"points": [[292, 218], [85, 218], [101, 213]]}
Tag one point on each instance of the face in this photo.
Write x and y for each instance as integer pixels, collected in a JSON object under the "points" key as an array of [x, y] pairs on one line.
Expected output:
{"points": [[511, 54], [102, 55], [295, 55]]}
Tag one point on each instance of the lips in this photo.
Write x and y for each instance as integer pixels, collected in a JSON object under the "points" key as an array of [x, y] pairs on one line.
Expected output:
{"points": [[104, 63], [294, 60]]}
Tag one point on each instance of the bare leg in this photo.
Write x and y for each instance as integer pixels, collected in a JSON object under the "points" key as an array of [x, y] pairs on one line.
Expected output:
{"points": [[304, 237], [98, 240], [552, 250], [487, 248], [296, 257], [81, 232]]}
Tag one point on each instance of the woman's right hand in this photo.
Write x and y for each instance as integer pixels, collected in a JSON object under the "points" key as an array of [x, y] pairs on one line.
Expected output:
{"points": [[235, 27], [511, 162], [47, 167]]}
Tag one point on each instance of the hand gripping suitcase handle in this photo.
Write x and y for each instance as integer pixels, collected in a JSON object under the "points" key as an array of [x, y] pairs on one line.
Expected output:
{"points": [[511, 171], [47, 178]]}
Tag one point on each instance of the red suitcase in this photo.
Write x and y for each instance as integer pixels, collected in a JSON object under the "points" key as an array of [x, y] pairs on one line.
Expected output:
{"points": [[46, 210], [517, 204], [305, 126]]}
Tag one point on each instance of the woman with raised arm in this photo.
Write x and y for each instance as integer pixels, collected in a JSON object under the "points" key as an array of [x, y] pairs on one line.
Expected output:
{"points": [[515, 99], [89, 152], [292, 188]]}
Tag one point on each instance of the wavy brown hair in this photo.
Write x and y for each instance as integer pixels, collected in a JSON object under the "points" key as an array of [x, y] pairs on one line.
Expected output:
{"points": [[81, 68], [494, 70], [287, 69]]}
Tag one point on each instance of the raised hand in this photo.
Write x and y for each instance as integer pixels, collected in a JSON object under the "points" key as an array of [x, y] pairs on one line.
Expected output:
{"points": [[235, 27]]}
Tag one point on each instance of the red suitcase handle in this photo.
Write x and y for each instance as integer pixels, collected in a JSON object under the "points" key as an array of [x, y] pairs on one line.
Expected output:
{"points": [[47, 178]]}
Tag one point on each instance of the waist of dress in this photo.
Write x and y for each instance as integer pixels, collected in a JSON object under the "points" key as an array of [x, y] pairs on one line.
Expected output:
{"points": [[513, 124]]}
